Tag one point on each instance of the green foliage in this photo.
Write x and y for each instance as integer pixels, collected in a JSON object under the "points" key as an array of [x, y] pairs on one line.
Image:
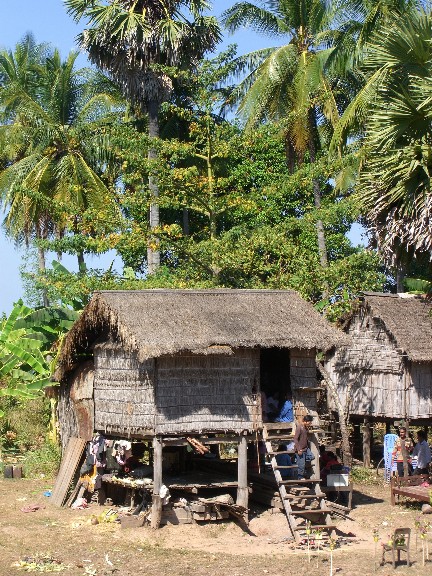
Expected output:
{"points": [[54, 155], [28, 344], [24, 427], [418, 285], [392, 113], [22, 362], [44, 461], [365, 476]]}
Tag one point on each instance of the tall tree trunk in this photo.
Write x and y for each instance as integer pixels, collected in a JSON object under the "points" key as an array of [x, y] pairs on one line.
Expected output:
{"points": [[41, 262], [81, 262], [42, 268], [342, 411], [153, 254], [322, 247]]}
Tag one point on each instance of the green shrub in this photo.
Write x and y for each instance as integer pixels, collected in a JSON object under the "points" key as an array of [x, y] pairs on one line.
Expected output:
{"points": [[45, 461], [362, 475], [25, 424]]}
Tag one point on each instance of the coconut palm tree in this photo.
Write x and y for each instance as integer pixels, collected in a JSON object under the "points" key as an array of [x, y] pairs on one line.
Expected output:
{"points": [[50, 174], [289, 82], [136, 42]]}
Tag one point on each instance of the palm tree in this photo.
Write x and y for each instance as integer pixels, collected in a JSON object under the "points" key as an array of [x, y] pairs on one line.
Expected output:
{"points": [[51, 151], [136, 41], [395, 176], [18, 75], [289, 82], [370, 18]]}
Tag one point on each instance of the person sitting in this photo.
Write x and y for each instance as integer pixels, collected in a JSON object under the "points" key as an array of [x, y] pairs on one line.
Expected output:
{"points": [[324, 456], [272, 407], [331, 465], [284, 459], [286, 413]]}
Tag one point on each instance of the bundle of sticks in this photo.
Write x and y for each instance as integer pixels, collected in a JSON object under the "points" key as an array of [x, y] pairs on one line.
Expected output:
{"points": [[198, 446]]}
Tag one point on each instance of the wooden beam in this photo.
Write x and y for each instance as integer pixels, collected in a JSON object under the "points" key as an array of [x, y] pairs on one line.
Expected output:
{"points": [[157, 483], [242, 489], [366, 443]]}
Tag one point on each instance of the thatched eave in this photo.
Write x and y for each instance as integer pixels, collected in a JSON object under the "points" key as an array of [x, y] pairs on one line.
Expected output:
{"points": [[164, 322], [407, 320]]}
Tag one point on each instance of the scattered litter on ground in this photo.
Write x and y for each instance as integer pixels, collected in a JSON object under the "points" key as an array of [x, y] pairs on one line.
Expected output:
{"points": [[40, 563], [32, 508]]}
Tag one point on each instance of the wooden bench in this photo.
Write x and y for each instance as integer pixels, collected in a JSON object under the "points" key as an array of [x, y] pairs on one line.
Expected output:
{"points": [[410, 487]]}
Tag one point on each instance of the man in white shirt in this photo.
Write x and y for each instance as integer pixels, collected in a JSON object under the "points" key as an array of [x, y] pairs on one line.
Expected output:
{"points": [[423, 453]]}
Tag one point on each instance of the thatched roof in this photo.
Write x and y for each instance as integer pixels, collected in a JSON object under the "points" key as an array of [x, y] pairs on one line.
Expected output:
{"points": [[160, 322], [407, 319]]}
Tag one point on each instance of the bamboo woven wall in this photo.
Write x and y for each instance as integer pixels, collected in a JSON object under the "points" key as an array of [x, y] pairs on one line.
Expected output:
{"points": [[420, 391], [123, 391], [377, 372], [204, 393], [303, 382]]}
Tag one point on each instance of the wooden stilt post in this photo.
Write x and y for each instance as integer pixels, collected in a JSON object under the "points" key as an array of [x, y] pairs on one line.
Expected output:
{"points": [[242, 489], [366, 443], [157, 483], [314, 446]]}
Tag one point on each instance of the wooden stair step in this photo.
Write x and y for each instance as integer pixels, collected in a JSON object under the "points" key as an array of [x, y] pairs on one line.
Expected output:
{"points": [[283, 438], [312, 511], [301, 495], [304, 481], [317, 526]]}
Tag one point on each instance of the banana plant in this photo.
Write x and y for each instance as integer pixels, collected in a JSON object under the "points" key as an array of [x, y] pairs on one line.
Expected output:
{"points": [[28, 341]]}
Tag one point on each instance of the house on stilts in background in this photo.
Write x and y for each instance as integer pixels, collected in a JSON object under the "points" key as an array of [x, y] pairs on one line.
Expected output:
{"points": [[386, 372], [171, 369]]}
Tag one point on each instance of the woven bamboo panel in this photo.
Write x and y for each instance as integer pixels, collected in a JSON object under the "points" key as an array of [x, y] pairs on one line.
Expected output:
{"points": [[123, 391], [205, 393]]}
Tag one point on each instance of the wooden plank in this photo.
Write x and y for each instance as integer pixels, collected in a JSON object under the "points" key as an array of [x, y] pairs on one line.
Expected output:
{"points": [[69, 465]]}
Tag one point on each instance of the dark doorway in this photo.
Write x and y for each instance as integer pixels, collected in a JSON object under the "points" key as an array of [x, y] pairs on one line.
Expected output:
{"points": [[275, 372]]}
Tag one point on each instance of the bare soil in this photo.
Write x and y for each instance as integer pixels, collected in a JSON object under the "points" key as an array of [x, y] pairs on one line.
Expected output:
{"points": [[80, 548]]}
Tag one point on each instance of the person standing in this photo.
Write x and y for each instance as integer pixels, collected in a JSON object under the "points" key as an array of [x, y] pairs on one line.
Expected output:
{"points": [[423, 453], [403, 442], [301, 444]]}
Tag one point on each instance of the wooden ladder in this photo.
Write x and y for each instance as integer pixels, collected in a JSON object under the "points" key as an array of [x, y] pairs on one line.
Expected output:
{"points": [[303, 501]]}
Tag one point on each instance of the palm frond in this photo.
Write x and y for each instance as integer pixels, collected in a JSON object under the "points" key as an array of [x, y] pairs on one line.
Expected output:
{"points": [[248, 15]]}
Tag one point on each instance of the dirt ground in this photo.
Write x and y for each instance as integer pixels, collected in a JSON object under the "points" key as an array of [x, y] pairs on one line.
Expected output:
{"points": [[80, 548]]}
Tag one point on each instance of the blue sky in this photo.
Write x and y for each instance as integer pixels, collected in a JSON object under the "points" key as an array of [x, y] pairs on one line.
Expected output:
{"points": [[48, 21]]}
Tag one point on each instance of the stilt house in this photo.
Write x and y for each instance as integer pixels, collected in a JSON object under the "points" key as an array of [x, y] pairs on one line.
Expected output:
{"points": [[386, 372], [158, 365]]}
